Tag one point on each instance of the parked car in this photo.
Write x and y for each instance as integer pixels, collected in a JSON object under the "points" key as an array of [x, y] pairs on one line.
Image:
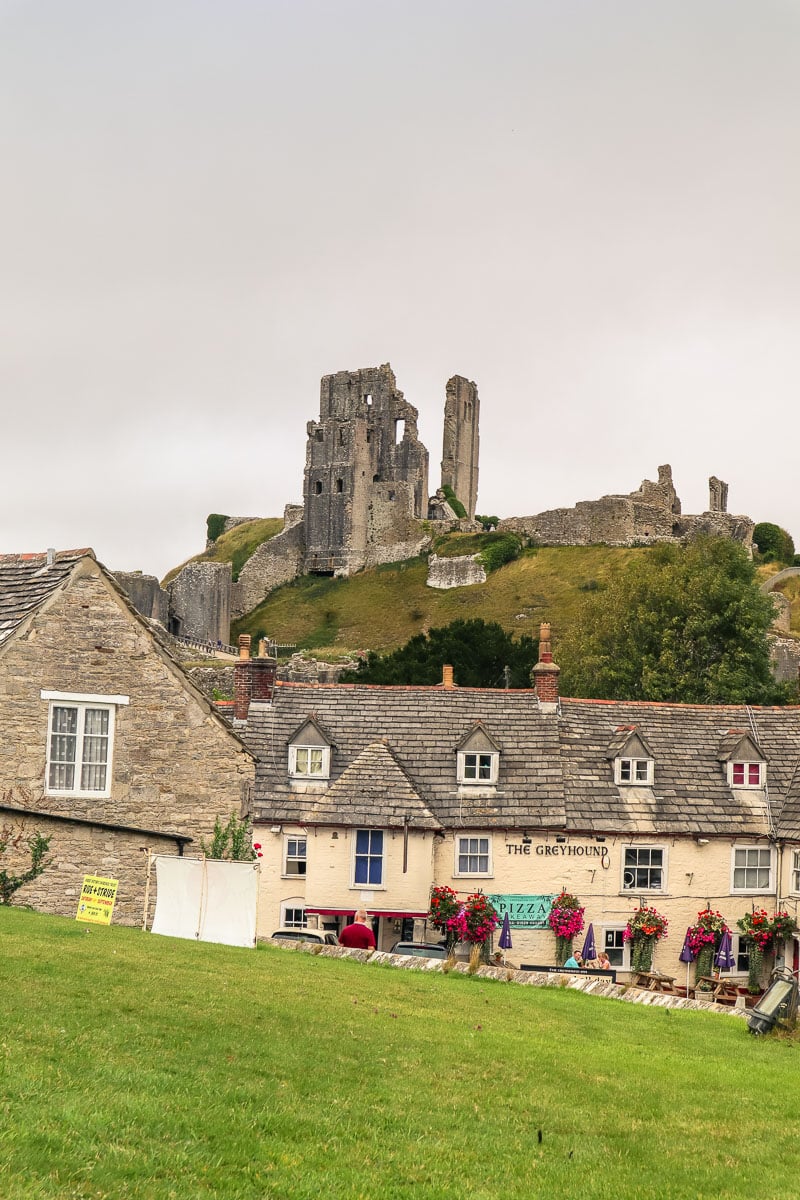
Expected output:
{"points": [[322, 936], [421, 949]]}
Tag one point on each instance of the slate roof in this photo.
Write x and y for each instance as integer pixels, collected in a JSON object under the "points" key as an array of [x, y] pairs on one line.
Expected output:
{"points": [[26, 581], [554, 768]]}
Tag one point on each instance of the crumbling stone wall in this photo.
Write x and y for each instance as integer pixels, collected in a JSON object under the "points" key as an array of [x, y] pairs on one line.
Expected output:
{"points": [[366, 435], [277, 561], [460, 443], [459, 571], [650, 514], [145, 594], [200, 602]]}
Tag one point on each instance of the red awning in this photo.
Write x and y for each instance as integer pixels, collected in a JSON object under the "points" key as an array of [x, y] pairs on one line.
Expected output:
{"points": [[373, 912]]}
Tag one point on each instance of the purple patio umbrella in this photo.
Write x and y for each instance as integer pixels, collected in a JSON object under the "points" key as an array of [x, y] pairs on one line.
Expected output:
{"points": [[589, 950], [505, 935], [724, 958], [687, 955]]}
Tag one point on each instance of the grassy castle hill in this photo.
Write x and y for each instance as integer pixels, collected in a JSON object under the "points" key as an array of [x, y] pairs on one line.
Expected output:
{"points": [[153, 1068], [380, 609]]}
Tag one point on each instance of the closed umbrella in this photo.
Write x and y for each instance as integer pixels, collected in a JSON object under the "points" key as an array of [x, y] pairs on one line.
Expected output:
{"points": [[589, 951], [724, 958], [505, 934], [687, 955]]}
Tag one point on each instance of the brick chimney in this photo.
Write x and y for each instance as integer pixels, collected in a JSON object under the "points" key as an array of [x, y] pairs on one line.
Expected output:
{"points": [[253, 678], [447, 676], [544, 675]]}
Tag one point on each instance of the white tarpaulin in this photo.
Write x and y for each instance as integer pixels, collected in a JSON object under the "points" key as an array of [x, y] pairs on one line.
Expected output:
{"points": [[206, 900]]}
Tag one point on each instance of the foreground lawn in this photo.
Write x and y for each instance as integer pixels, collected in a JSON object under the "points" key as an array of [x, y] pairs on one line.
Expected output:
{"points": [[139, 1066]]}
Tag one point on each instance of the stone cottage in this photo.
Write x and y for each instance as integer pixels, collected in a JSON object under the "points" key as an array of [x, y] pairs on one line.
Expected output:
{"points": [[368, 796], [106, 746]]}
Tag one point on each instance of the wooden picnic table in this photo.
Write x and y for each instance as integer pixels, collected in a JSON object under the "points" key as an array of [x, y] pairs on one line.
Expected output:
{"points": [[654, 981], [723, 990]]}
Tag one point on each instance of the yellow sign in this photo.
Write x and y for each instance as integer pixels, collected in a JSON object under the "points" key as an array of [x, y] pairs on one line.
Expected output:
{"points": [[97, 899]]}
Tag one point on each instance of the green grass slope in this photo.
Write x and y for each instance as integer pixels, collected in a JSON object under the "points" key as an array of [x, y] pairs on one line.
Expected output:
{"points": [[382, 608], [150, 1068]]}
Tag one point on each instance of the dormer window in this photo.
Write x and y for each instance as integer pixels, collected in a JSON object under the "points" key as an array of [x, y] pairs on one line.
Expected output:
{"points": [[635, 770], [310, 752], [744, 761], [477, 759], [631, 757], [746, 774]]}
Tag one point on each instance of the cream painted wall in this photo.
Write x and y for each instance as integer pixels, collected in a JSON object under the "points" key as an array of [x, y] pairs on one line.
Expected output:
{"points": [[693, 875], [329, 874]]}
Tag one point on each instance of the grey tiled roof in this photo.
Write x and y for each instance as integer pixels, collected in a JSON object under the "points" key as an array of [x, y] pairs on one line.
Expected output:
{"points": [[26, 581], [554, 769]]}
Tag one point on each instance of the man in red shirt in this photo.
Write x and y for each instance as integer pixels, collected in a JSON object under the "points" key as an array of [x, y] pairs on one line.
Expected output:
{"points": [[358, 936]]}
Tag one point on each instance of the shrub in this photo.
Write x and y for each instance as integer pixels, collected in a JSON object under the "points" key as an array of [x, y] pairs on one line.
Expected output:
{"points": [[774, 544], [500, 548], [230, 841], [36, 845], [454, 502], [215, 525]]}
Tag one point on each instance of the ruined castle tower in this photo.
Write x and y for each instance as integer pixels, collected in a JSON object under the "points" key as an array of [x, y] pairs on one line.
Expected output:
{"points": [[460, 442], [366, 474]]}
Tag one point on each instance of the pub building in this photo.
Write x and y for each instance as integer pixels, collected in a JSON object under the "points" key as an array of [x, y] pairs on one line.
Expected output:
{"points": [[369, 796]]}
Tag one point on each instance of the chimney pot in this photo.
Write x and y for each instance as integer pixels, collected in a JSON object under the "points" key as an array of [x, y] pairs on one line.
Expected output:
{"points": [[244, 645], [544, 675]]}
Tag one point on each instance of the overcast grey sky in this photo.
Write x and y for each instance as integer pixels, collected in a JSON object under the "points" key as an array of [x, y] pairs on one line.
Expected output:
{"points": [[589, 208]]}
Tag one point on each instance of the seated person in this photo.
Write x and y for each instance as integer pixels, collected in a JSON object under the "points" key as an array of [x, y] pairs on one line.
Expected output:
{"points": [[574, 961]]}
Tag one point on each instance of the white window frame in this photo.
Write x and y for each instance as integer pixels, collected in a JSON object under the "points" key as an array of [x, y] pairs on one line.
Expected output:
{"points": [[636, 887], [639, 777], [739, 949], [625, 965], [473, 853], [81, 702], [366, 885], [747, 764], [296, 857], [294, 904], [761, 891], [794, 885], [462, 767], [323, 773]]}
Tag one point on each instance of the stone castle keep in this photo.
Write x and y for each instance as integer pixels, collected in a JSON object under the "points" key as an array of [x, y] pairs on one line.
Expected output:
{"points": [[366, 501]]}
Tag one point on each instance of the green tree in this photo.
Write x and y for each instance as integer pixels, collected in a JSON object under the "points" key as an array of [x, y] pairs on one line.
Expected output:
{"points": [[477, 650], [681, 623], [774, 544]]}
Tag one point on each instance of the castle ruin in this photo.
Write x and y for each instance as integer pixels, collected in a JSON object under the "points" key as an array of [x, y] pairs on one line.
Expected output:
{"points": [[650, 514]]}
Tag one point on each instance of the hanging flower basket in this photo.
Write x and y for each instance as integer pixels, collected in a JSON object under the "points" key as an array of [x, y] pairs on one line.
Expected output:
{"points": [[763, 934], [646, 926], [444, 906], [566, 922], [704, 938]]}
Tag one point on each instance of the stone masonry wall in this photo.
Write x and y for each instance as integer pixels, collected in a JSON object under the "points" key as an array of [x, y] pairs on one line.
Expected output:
{"points": [[280, 560], [146, 595], [460, 442], [175, 765], [200, 602], [454, 572]]}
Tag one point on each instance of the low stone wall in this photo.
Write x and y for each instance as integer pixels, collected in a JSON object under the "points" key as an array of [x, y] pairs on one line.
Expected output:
{"points": [[459, 571], [591, 985]]}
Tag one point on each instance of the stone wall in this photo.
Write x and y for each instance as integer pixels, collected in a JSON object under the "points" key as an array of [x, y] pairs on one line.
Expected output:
{"points": [[175, 767], [145, 594], [461, 442], [784, 654], [277, 561], [650, 514], [200, 602], [366, 435], [454, 572]]}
